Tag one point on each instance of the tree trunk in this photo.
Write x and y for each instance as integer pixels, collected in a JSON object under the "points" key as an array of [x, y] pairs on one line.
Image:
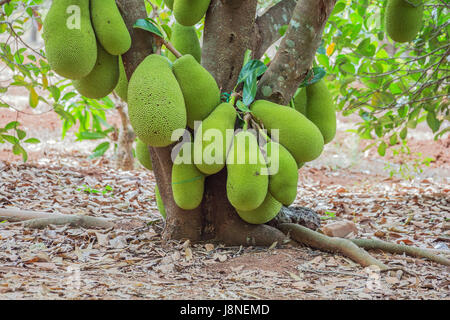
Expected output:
{"points": [[229, 31]]}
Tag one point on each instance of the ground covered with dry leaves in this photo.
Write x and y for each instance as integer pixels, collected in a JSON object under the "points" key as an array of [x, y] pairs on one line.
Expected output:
{"points": [[131, 262]]}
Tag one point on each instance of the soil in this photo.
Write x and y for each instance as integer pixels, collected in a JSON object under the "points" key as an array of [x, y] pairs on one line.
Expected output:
{"points": [[131, 262]]}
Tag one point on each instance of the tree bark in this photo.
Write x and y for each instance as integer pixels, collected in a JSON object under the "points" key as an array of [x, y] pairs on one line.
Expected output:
{"points": [[297, 50], [268, 25], [228, 33]]}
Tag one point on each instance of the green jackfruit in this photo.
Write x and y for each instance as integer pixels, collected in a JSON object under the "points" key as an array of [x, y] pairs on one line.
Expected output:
{"points": [[190, 12], [188, 182], [300, 101], [143, 155], [159, 202], [297, 134], [320, 109], [71, 48], [283, 172], [200, 90], [403, 20], [268, 210], [155, 102], [103, 78], [109, 27], [185, 40], [247, 184], [212, 142], [169, 4], [122, 85]]}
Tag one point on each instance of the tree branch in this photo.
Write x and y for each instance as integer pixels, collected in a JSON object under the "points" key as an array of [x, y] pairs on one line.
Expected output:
{"points": [[269, 23], [297, 51], [228, 33]]}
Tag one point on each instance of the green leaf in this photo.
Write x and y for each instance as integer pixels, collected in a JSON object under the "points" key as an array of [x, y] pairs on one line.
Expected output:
{"points": [[148, 25], [12, 125], [382, 149], [32, 140], [100, 150], [255, 67], [433, 123], [250, 88], [314, 75], [283, 29], [17, 150], [21, 134], [86, 135], [34, 98], [10, 139]]}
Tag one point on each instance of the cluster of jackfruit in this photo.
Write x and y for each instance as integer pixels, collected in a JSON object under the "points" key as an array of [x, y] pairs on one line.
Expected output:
{"points": [[165, 98], [84, 40], [403, 19]]}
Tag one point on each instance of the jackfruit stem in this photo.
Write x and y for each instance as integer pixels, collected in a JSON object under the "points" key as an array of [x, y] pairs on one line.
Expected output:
{"points": [[172, 49], [260, 130]]}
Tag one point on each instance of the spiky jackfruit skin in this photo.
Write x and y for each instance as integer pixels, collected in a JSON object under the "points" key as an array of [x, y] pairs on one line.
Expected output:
{"points": [[159, 202], [297, 134], [143, 155], [282, 183], [188, 182], [186, 41], [155, 102], [71, 53], [403, 21], [102, 80], [109, 27], [321, 110], [169, 4], [190, 12], [246, 185], [221, 119], [200, 90], [300, 101], [122, 85], [268, 210]]}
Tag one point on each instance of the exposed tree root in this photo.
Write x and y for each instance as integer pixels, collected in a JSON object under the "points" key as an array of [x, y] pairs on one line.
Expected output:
{"points": [[373, 244], [40, 220], [323, 242]]}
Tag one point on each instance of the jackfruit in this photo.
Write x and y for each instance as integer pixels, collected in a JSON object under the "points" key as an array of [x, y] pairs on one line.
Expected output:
{"points": [[103, 78], [268, 210], [159, 202], [190, 12], [155, 102], [109, 27], [200, 90], [69, 39], [169, 4], [143, 155], [297, 134], [283, 173], [211, 139], [300, 101], [246, 184], [122, 85], [403, 20], [185, 40], [188, 182], [320, 109]]}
